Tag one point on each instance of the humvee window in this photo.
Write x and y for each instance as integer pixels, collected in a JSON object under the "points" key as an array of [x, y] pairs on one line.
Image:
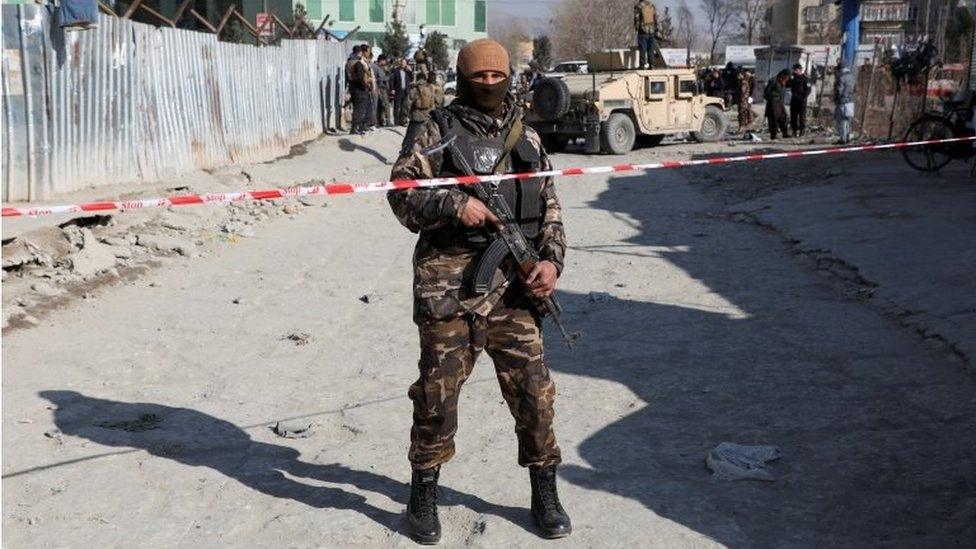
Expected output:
{"points": [[658, 88], [686, 87]]}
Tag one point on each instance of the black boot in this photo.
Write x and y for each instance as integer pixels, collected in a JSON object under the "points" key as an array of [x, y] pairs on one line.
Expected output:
{"points": [[425, 527], [549, 515]]}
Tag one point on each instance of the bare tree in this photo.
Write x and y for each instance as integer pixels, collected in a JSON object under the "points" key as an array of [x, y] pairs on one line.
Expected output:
{"points": [[592, 25], [686, 33], [751, 16], [717, 13]]}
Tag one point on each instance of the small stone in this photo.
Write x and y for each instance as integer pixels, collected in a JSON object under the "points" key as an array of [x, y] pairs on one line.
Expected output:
{"points": [[122, 252], [238, 301], [115, 241], [30, 320], [299, 338], [238, 228], [290, 209], [306, 201], [47, 290]]}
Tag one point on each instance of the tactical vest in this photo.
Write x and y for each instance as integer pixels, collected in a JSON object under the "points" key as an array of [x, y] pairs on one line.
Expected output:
{"points": [[425, 97], [482, 154], [647, 14]]}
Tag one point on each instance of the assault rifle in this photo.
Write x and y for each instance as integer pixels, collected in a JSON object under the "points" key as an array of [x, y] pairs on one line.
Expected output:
{"points": [[510, 241]]}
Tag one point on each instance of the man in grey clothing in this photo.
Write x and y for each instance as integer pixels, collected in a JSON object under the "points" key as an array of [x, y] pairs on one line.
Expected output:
{"points": [[844, 81]]}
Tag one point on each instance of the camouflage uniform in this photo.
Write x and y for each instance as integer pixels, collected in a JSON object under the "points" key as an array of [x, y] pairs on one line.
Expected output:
{"points": [[745, 108], [455, 323]]}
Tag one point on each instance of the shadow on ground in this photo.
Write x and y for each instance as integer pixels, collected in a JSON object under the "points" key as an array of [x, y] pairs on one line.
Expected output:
{"points": [[878, 435], [347, 145], [196, 439]]}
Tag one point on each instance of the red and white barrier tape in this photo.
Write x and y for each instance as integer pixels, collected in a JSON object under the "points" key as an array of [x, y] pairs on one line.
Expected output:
{"points": [[349, 188]]}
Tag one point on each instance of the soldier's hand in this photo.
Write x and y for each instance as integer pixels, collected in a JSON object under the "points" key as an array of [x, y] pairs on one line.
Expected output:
{"points": [[542, 279], [476, 214]]}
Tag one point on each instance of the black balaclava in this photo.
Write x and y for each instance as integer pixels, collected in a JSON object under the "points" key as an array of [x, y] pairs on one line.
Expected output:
{"points": [[486, 98]]}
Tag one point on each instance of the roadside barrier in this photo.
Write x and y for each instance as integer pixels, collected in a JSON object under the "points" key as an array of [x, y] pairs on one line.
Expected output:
{"points": [[351, 188]]}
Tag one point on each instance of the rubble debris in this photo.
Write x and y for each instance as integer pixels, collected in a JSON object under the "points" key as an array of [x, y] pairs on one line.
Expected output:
{"points": [[238, 228], [144, 422], [92, 258], [293, 431], [290, 209], [364, 299], [730, 461], [46, 289], [164, 243], [300, 338], [54, 434], [599, 297]]}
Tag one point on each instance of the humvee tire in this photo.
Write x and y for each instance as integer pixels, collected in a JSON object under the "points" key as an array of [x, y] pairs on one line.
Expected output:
{"points": [[713, 126], [551, 99], [618, 134], [554, 143]]}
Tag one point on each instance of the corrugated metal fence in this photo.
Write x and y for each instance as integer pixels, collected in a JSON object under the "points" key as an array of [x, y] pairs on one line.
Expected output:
{"points": [[132, 102]]}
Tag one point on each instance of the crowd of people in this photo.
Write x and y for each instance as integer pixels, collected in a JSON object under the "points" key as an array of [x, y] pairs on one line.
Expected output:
{"points": [[390, 92], [737, 86]]}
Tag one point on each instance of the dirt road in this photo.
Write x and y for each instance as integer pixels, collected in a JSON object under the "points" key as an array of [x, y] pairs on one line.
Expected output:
{"points": [[141, 416]]}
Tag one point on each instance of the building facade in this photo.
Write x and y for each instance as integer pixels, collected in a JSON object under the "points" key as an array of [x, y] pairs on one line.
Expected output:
{"points": [[791, 22], [460, 20], [890, 22]]}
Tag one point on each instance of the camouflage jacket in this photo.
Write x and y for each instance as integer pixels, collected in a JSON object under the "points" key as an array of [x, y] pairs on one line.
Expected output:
{"points": [[442, 274]]}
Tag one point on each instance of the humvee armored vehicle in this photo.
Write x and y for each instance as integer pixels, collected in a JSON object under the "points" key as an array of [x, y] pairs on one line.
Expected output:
{"points": [[616, 106]]}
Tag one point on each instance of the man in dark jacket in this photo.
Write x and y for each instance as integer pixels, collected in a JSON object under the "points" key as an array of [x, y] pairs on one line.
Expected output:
{"points": [[800, 90], [775, 94], [400, 84], [361, 86]]}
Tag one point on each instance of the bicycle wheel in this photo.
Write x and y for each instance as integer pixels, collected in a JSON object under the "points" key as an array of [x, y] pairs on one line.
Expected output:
{"points": [[928, 158]]}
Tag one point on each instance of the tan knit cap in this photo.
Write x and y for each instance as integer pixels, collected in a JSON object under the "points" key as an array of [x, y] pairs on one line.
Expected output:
{"points": [[483, 54]]}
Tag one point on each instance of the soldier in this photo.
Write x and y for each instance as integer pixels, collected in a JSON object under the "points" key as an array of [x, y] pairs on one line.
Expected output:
{"points": [[774, 94], [425, 96], [746, 83], [481, 129], [420, 60], [645, 22], [800, 91]]}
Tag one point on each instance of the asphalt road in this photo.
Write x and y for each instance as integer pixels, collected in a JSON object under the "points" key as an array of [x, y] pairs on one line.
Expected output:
{"points": [[141, 417]]}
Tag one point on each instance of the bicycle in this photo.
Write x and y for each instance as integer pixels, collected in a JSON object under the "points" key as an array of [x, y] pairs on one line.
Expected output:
{"points": [[953, 120]]}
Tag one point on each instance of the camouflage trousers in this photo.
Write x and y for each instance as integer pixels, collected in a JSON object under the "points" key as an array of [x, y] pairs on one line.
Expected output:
{"points": [[448, 351], [745, 116]]}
